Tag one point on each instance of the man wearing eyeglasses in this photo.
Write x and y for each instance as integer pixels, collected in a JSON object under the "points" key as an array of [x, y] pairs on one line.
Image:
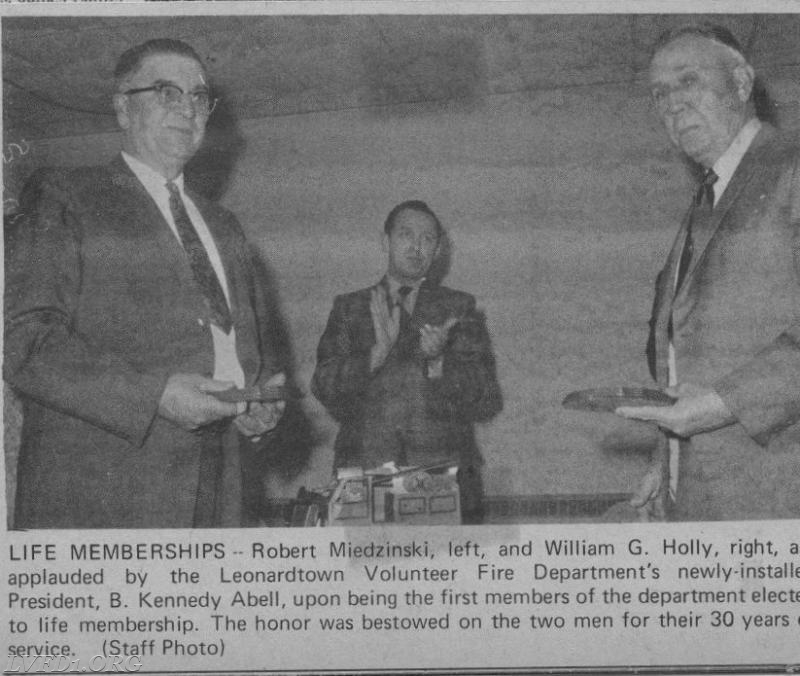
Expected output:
{"points": [[725, 329], [129, 301]]}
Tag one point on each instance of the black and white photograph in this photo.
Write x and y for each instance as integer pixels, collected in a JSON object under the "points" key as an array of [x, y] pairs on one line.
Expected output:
{"points": [[406, 266]]}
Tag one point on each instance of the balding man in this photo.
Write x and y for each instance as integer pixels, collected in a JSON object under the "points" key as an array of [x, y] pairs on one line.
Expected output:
{"points": [[725, 330], [129, 300]]}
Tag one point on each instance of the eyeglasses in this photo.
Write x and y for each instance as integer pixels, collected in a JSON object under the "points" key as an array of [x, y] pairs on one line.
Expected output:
{"points": [[690, 86], [170, 96], [687, 87]]}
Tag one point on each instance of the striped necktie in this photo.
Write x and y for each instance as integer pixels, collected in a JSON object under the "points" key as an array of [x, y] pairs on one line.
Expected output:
{"points": [[199, 261]]}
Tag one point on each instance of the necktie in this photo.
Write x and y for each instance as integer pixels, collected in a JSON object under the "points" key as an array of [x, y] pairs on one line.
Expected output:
{"points": [[701, 212], [407, 338], [402, 296], [198, 260], [405, 316]]}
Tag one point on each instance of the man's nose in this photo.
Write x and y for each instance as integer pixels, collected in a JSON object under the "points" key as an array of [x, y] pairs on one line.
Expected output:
{"points": [[675, 100], [186, 106]]}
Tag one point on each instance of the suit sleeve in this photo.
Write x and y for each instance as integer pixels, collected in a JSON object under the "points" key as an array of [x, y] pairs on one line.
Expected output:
{"points": [[468, 389], [342, 373], [764, 393], [45, 356]]}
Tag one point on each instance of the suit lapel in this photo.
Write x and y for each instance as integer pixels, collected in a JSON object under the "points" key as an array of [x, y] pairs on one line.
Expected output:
{"points": [[675, 254], [139, 209], [665, 290], [740, 179], [135, 201], [138, 212]]}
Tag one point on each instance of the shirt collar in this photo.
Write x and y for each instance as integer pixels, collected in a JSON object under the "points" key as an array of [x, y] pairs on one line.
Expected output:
{"points": [[393, 292], [726, 165], [150, 178], [394, 285]]}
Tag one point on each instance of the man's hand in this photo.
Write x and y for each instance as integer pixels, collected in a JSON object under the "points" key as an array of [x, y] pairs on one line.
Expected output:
{"points": [[260, 418], [386, 325], [185, 401], [698, 409], [647, 497], [432, 339]]}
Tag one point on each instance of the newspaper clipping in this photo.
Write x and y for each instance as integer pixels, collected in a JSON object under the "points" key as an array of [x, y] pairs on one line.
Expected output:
{"points": [[403, 337]]}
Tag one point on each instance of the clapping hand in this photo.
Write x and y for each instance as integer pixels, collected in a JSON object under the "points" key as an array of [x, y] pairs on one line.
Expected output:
{"points": [[432, 339]]}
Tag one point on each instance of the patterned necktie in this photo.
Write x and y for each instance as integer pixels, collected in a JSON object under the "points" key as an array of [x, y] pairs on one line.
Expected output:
{"points": [[198, 259], [701, 212]]}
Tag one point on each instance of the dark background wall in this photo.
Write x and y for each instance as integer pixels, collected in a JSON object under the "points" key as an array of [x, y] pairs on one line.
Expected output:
{"points": [[531, 136]]}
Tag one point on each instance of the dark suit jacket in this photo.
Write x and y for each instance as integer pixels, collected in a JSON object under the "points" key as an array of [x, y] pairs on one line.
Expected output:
{"points": [[737, 329], [398, 413], [101, 307]]}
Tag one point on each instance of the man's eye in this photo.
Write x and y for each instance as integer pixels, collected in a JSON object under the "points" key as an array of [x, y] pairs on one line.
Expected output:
{"points": [[689, 80], [170, 93], [200, 97]]}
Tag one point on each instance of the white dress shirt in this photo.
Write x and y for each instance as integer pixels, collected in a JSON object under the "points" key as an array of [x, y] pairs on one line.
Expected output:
{"points": [[410, 300], [226, 361]]}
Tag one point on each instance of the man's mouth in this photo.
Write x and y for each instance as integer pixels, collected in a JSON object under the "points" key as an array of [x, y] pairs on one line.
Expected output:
{"points": [[182, 130], [687, 129]]}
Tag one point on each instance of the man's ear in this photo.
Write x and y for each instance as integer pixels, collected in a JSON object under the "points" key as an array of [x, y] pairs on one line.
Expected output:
{"points": [[743, 78], [121, 103]]}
